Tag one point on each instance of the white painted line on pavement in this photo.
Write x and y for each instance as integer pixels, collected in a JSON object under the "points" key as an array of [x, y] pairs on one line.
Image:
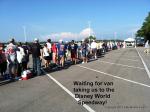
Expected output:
{"points": [[124, 59], [69, 92], [128, 59], [121, 65], [146, 68], [123, 56], [133, 56], [114, 76]]}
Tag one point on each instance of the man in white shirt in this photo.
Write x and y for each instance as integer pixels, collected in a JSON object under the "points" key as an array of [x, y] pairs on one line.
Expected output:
{"points": [[11, 51], [49, 46], [94, 48], [20, 55], [46, 55]]}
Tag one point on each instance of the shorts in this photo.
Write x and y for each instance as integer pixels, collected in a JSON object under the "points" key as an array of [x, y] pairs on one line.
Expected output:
{"points": [[94, 50], [54, 56], [47, 57], [73, 55], [60, 56], [84, 53]]}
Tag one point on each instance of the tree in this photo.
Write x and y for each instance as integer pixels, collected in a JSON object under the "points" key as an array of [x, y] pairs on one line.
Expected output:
{"points": [[144, 31], [92, 38]]}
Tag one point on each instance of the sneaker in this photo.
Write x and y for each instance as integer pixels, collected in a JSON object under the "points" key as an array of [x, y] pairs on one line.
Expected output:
{"points": [[83, 62]]}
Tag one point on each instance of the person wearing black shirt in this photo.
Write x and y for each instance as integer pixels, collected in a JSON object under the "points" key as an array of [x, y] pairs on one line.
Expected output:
{"points": [[36, 55], [74, 48]]}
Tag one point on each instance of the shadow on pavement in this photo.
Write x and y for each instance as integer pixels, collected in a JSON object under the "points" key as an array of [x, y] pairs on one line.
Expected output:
{"points": [[52, 68]]}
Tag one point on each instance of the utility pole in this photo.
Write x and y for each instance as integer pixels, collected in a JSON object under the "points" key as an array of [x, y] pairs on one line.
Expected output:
{"points": [[89, 23], [25, 36], [102, 37], [115, 36]]}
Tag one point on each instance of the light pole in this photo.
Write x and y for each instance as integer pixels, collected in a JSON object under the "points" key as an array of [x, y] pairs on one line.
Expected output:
{"points": [[102, 37], [115, 35], [25, 36], [89, 23]]}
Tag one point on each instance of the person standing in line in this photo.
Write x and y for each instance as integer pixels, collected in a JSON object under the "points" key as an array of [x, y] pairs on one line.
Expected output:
{"points": [[69, 51], [36, 55], [60, 49], [74, 48], [20, 58], [49, 46], [3, 60], [85, 52], [54, 50], [66, 51], [11, 55], [26, 58], [46, 56], [94, 49]]}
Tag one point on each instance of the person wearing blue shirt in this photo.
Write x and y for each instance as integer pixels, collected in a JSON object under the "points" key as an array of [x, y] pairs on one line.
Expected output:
{"points": [[84, 52], [61, 52]]}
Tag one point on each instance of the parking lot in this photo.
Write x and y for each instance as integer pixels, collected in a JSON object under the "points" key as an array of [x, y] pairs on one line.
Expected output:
{"points": [[126, 70]]}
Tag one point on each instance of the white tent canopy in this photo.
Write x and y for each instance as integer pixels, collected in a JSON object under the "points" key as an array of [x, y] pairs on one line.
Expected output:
{"points": [[129, 40]]}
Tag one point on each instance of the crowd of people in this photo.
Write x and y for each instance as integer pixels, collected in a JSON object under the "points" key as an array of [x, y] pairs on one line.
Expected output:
{"points": [[14, 58]]}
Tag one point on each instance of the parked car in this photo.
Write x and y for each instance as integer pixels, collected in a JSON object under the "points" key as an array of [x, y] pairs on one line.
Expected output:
{"points": [[140, 42]]}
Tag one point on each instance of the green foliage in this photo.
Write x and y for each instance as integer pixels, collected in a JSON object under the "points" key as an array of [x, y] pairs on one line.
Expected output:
{"points": [[89, 39], [144, 31], [92, 38]]}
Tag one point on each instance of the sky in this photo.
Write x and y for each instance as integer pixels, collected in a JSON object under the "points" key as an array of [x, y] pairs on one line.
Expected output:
{"points": [[71, 19]]}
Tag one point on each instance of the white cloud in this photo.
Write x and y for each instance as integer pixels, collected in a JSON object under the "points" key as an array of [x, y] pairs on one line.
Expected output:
{"points": [[63, 36], [69, 35], [86, 32]]}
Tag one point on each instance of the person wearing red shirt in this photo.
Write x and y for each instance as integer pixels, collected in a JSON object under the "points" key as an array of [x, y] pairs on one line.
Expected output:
{"points": [[54, 50]]}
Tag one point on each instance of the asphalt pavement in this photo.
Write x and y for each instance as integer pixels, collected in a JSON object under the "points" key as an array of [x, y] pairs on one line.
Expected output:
{"points": [[120, 78]]}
